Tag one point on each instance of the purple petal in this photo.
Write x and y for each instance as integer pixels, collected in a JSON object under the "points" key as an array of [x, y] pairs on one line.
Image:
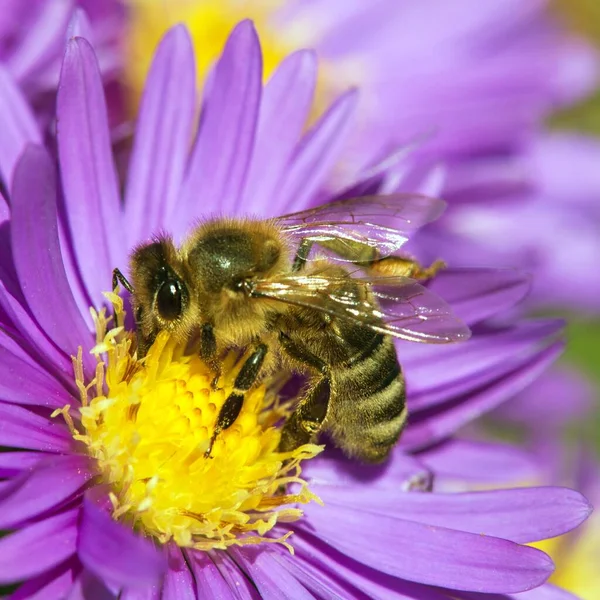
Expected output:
{"points": [[79, 26], [14, 463], [431, 428], [51, 585], [521, 515], [88, 173], [329, 566], [89, 587], [316, 155], [43, 41], [21, 428], [114, 552], [239, 586], [38, 547], [408, 550], [478, 294], [152, 592], [225, 139], [37, 255], [162, 139], [30, 337], [22, 383], [437, 374], [318, 579], [50, 483], [480, 462], [17, 124], [400, 471], [546, 592], [273, 581], [210, 581], [284, 109], [179, 583]]}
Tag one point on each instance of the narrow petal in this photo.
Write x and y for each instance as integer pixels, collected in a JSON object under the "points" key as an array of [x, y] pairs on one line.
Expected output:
{"points": [[21, 383], [274, 582], [14, 463], [162, 138], [88, 173], [408, 550], [50, 483], [55, 584], [89, 587], [31, 337], [521, 515], [319, 580], [316, 155], [38, 547], [43, 41], [79, 26], [436, 374], [113, 552], [17, 124], [480, 462], [433, 426], [400, 471], [210, 581], [478, 294], [315, 557], [223, 148], [37, 255], [179, 583], [546, 592], [240, 587], [284, 109], [21, 428]]}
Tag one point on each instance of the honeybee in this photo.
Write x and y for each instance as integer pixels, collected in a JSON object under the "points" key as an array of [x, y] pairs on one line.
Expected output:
{"points": [[330, 314]]}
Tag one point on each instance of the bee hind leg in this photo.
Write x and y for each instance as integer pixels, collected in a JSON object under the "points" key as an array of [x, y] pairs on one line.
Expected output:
{"points": [[306, 421], [394, 266]]}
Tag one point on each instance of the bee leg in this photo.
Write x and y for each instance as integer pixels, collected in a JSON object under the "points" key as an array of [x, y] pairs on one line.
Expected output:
{"points": [[208, 352], [307, 419], [406, 267], [243, 382], [119, 278], [302, 254]]}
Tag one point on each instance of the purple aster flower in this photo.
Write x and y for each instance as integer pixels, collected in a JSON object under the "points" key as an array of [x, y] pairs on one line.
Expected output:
{"points": [[74, 498]]}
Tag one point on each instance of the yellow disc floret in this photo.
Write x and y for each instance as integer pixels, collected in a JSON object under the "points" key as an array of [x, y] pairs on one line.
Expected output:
{"points": [[148, 425]]}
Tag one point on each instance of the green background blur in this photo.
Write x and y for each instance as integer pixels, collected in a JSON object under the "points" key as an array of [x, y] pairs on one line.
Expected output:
{"points": [[583, 333]]}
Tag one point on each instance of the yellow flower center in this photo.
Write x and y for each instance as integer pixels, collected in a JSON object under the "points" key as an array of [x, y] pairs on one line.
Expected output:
{"points": [[209, 22], [148, 424]]}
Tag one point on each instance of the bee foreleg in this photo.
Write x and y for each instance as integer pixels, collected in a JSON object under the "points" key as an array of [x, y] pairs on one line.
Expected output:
{"points": [[307, 419], [119, 278], [243, 382], [208, 352]]}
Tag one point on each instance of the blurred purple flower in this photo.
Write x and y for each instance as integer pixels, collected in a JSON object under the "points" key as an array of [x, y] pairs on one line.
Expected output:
{"points": [[378, 535], [33, 33]]}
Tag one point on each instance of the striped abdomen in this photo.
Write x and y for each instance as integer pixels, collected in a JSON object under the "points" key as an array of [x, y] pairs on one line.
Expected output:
{"points": [[367, 407]]}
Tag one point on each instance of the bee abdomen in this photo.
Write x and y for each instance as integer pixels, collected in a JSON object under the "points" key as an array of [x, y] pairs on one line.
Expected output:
{"points": [[368, 408]]}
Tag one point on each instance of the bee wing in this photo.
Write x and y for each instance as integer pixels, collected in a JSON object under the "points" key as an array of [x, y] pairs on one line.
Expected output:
{"points": [[352, 227], [406, 310]]}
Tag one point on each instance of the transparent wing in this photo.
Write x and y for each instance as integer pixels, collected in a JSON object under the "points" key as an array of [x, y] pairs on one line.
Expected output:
{"points": [[404, 308], [359, 229]]}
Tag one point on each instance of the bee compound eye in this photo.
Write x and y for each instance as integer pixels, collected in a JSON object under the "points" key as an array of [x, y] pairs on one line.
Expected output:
{"points": [[168, 300]]}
